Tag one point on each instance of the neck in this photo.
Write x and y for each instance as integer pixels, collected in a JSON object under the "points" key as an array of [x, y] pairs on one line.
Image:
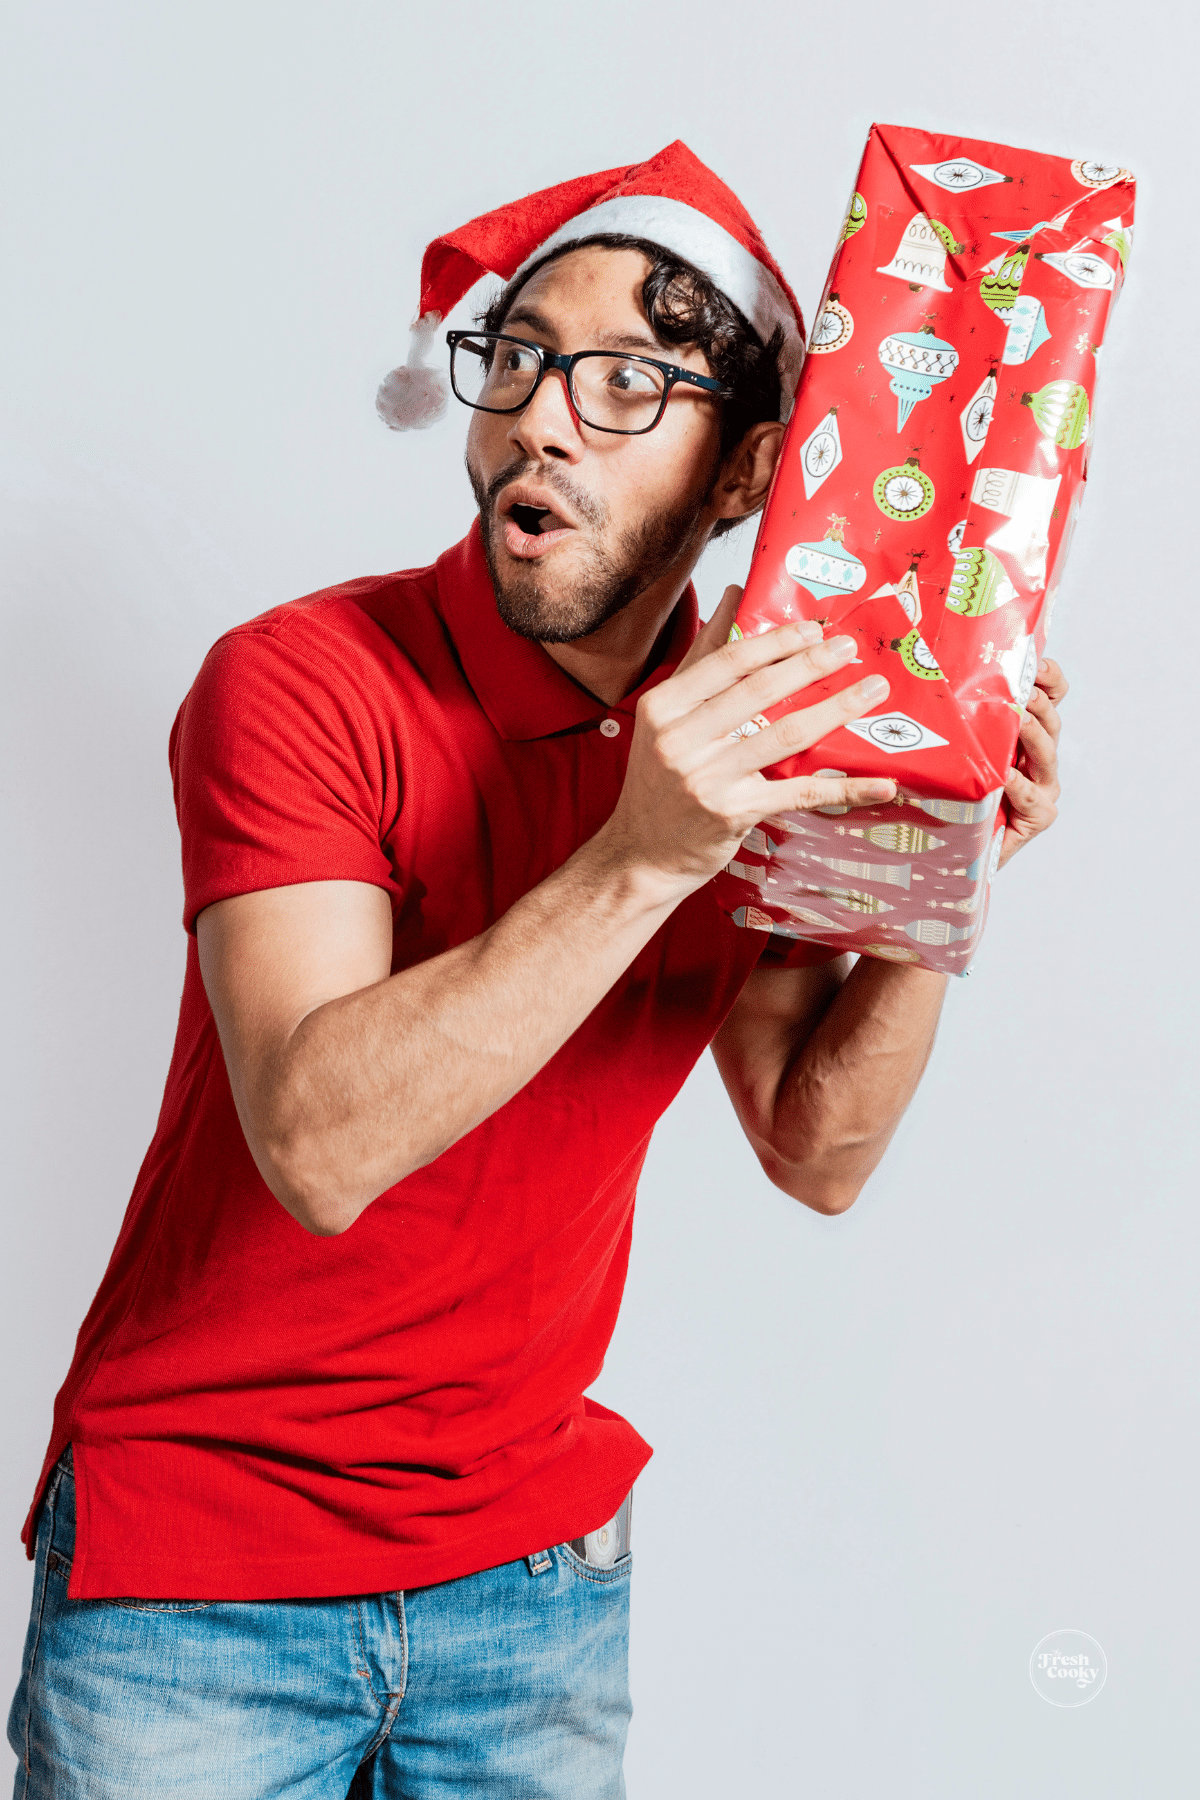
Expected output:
{"points": [[614, 660]]}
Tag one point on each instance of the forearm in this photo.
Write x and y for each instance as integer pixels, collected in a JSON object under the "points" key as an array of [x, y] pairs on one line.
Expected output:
{"points": [[347, 1078], [379, 1082], [821, 1099]]}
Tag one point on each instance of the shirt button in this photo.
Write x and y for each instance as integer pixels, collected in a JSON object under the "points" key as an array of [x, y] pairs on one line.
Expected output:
{"points": [[609, 727]]}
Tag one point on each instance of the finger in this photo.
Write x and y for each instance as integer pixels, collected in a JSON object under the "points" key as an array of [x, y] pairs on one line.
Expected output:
{"points": [[1045, 712], [723, 665], [1031, 806], [724, 715], [800, 730], [1051, 678], [1041, 754], [805, 793], [1022, 828], [1010, 843], [715, 631]]}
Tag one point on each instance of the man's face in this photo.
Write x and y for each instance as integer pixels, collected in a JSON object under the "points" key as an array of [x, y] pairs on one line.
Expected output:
{"points": [[576, 522]]}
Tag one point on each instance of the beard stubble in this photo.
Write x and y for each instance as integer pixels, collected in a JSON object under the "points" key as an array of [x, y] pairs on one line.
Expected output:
{"points": [[536, 606]]}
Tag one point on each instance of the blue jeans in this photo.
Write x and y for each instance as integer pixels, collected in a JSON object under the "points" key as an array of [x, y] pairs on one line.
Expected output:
{"points": [[511, 1682]]}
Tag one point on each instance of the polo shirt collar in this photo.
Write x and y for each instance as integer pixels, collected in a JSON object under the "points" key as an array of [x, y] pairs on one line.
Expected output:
{"points": [[521, 689]]}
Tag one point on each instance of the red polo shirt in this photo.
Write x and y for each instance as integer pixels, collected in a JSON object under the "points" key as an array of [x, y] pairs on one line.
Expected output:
{"points": [[257, 1412]]}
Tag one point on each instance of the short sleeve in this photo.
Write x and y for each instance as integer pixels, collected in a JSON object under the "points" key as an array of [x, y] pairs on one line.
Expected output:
{"points": [[780, 952], [282, 774]]}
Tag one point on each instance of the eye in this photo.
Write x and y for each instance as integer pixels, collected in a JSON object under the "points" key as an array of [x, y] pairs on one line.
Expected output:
{"points": [[635, 379], [515, 359]]}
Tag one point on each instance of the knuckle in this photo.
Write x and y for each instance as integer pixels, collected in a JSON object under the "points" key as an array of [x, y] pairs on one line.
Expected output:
{"points": [[790, 731], [662, 747], [758, 687]]}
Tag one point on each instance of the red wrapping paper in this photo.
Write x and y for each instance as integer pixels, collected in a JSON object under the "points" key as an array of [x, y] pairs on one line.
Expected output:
{"points": [[924, 501]]}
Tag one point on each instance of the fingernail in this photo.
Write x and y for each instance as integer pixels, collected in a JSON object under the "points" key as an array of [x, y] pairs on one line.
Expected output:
{"points": [[843, 647], [874, 687], [808, 631], [880, 790]]}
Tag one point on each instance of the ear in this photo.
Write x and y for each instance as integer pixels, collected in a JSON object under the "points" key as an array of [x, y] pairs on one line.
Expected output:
{"points": [[741, 487]]}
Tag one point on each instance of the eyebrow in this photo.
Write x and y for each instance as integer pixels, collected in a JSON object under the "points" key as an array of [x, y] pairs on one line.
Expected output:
{"points": [[606, 340]]}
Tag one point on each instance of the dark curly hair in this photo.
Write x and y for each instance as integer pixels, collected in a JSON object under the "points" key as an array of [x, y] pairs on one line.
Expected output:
{"points": [[685, 308]]}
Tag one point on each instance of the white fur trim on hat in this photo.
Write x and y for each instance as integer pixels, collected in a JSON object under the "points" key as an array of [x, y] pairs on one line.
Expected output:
{"points": [[415, 394], [710, 248]]}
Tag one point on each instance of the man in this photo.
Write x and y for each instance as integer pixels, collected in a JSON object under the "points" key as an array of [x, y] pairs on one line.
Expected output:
{"points": [[448, 841]]}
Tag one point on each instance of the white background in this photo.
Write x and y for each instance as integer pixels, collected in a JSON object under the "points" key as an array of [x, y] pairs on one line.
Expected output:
{"points": [[894, 1449]]}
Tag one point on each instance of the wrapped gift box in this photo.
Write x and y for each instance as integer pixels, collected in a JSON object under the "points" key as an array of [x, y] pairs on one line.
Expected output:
{"points": [[926, 493]]}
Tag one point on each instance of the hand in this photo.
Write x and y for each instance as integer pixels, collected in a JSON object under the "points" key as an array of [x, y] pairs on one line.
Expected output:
{"points": [[1032, 788], [693, 787]]}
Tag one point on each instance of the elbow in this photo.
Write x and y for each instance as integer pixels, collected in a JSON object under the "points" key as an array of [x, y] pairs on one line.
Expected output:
{"points": [[324, 1178], [303, 1169], [813, 1186], [827, 1176], [320, 1207]]}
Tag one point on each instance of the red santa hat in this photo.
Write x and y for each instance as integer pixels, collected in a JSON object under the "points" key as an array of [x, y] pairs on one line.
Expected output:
{"points": [[672, 200]]}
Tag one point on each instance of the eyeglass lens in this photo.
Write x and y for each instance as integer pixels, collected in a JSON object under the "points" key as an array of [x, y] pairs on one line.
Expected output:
{"points": [[614, 392]]}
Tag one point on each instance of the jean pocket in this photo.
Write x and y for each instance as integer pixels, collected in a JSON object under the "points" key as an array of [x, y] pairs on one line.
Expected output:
{"points": [[586, 1571], [127, 1603]]}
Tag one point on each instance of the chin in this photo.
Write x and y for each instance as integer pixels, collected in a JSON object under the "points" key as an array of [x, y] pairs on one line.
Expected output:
{"points": [[551, 612], [567, 595]]}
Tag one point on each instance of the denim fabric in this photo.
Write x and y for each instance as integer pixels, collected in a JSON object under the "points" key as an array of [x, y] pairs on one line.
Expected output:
{"points": [[507, 1683]]}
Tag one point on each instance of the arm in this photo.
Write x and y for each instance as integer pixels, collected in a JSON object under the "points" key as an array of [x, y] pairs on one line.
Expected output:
{"points": [[821, 1064], [347, 1077]]}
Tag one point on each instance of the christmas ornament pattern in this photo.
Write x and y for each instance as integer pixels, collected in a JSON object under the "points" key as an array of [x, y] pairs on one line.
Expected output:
{"points": [[917, 361], [940, 530], [832, 329]]}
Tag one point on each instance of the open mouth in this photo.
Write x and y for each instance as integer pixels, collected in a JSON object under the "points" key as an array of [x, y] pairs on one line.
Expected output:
{"points": [[531, 527], [533, 520]]}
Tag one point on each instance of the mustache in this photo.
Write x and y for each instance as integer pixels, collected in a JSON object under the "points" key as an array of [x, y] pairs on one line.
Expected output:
{"points": [[584, 505]]}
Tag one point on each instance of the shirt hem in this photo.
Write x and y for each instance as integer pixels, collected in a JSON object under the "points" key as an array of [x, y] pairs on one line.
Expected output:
{"points": [[319, 1575]]}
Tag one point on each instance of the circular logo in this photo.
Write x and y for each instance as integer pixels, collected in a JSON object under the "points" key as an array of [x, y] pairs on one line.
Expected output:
{"points": [[1096, 174], [1068, 1668], [897, 732], [834, 327], [959, 175], [903, 492], [1088, 271], [821, 453], [979, 417]]}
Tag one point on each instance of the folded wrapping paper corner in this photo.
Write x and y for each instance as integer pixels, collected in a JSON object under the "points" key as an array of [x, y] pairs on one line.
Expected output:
{"points": [[926, 493]]}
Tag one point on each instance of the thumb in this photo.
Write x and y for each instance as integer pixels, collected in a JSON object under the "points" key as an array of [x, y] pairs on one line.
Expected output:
{"points": [[715, 631]]}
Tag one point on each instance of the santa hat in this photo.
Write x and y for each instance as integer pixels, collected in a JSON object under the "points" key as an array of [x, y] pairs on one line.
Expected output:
{"points": [[672, 200]]}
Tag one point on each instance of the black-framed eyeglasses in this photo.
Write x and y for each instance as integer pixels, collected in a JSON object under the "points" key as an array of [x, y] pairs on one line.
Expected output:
{"points": [[610, 390]]}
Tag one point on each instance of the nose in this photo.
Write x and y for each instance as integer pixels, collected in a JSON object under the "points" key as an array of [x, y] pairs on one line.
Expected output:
{"points": [[549, 425]]}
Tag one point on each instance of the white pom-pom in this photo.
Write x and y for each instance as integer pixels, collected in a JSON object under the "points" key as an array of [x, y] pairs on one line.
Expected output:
{"points": [[414, 395], [411, 399]]}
